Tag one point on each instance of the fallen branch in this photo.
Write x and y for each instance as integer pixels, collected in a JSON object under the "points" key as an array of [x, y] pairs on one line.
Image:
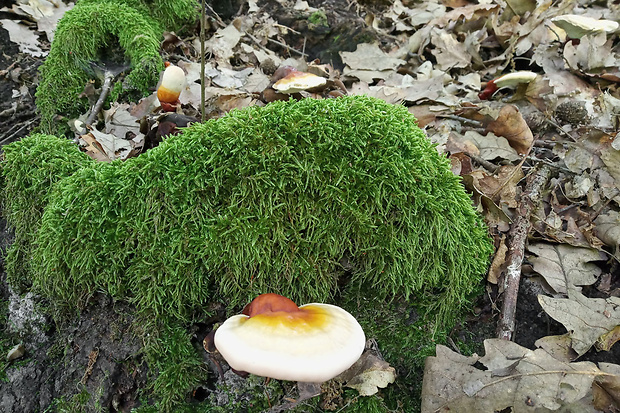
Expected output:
{"points": [[517, 238], [105, 91]]}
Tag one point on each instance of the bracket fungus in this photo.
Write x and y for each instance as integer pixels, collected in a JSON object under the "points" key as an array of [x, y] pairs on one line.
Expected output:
{"points": [[172, 83], [508, 80], [577, 26], [275, 338], [295, 81]]}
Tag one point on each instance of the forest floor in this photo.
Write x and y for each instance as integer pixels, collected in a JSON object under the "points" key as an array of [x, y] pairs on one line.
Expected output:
{"points": [[540, 156]]}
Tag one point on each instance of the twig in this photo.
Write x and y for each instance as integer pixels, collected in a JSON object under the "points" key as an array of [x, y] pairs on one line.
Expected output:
{"points": [[290, 49], [217, 17], [517, 238], [105, 90], [11, 136], [463, 120], [489, 166], [559, 129]]}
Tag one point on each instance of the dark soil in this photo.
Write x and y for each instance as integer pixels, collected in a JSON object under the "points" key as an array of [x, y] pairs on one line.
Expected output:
{"points": [[18, 75]]}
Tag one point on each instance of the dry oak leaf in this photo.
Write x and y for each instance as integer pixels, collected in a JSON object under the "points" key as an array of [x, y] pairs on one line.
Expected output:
{"points": [[491, 146], [586, 319], [515, 377], [499, 259], [511, 125], [565, 267], [606, 389], [607, 228], [606, 341], [368, 374], [370, 57]]}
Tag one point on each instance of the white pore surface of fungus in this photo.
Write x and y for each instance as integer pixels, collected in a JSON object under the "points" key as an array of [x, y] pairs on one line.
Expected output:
{"points": [[314, 344], [515, 78], [577, 26], [296, 82]]}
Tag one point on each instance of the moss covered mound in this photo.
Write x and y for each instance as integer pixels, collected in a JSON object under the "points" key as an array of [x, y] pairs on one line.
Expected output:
{"points": [[91, 27], [30, 169], [308, 199]]}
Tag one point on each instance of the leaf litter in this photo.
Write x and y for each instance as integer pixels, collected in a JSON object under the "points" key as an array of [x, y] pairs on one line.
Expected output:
{"points": [[440, 56]]}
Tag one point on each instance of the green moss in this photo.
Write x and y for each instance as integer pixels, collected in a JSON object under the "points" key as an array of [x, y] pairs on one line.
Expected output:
{"points": [[78, 403], [319, 200], [373, 404], [91, 27], [318, 19], [179, 366], [29, 170]]}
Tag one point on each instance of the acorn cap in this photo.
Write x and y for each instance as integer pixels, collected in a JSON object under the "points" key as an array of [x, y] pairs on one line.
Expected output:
{"points": [[172, 83], [296, 82], [577, 26], [275, 338]]}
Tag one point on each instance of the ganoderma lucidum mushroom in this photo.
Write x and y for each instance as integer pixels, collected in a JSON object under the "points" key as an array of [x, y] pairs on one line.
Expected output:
{"points": [[577, 26], [172, 83], [296, 81], [507, 80], [275, 338]]}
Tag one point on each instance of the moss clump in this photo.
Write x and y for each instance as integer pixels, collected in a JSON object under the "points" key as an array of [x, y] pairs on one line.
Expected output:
{"points": [[91, 27], [318, 19], [316, 200], [269, 199], [30, 169]]}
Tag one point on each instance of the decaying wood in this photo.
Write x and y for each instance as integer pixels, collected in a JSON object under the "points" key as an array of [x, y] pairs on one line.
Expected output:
{"points": [[517, 238]]}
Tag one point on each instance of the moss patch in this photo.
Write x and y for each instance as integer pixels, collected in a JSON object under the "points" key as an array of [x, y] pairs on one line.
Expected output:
{"points": [[91, 27], [319, 200], [30, 169]]}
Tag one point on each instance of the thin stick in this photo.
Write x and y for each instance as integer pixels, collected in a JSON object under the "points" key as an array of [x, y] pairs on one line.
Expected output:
{"points": [[290, 49], [490, 166], [517, 238], [202, 61], [105, 90], [8, 137]]}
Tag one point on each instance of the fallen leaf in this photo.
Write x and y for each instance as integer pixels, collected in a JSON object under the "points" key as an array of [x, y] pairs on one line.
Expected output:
{"points": [[25, 38], [449, 52], [558, 347], [606, 341], [565, 267], [586, 319], [119, 121], [93, 148], [607, 228], [491, 146], [497, 265], [222, 43], [515, 377], [511, 125], [368, 374], [593, 53], [113, 147], [369, 57], [577, 158], [606, 389]]}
